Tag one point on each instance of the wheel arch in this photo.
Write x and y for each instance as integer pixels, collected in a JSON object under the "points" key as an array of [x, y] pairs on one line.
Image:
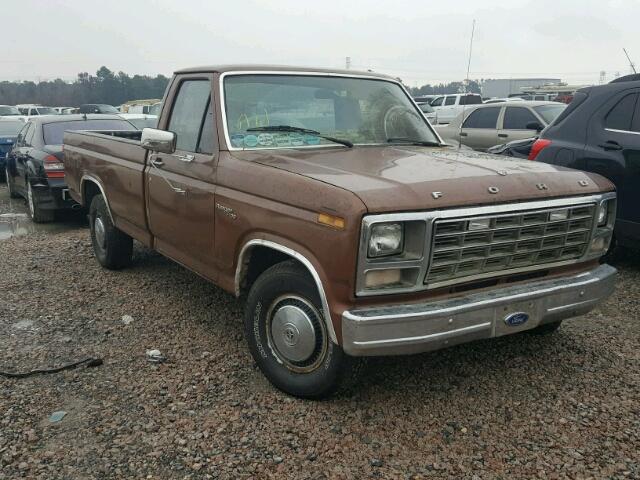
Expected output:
{"points": [[279, 253], [89, 188]]}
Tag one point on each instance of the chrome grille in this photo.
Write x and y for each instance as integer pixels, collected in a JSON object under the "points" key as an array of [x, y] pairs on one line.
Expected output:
{"points": [[485, 246]]}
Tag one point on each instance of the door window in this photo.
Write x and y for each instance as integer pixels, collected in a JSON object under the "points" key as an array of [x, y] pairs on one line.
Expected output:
{"points": [[450, 101], [517, 118], [437, 102], [29, 135], [621, 116], [483, 118], [188, 114], [635, 125]]}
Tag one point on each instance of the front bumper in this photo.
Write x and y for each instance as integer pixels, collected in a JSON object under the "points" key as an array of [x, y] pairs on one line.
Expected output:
{"points": [[406, 329]]}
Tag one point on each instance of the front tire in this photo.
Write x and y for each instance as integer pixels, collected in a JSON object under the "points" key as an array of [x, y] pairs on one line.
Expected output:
{"points": [[287, 334], [546, 329], [37, 214], [112, 247]]}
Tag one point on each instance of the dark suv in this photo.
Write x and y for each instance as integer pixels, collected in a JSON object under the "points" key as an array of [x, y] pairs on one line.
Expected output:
{"points": [[600, 132]]}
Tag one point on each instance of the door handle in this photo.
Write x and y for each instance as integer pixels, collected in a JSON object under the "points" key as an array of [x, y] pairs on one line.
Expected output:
{"points": [[611, 145], [185, 158], [157, 162], [463, 134], [503, 135]]}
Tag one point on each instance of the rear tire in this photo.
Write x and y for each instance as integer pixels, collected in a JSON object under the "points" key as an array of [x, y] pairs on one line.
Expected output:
{"points": [[37, 214], [9, 180], [112, 247], [287, 334]]}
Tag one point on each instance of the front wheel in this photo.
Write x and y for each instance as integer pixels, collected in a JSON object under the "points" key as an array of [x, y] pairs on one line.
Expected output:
{"points": [[113, 248], [287, 334]]}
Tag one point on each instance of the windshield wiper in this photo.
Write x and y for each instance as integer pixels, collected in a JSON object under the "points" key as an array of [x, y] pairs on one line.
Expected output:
{"points": [[411, 141], [289, 128]]}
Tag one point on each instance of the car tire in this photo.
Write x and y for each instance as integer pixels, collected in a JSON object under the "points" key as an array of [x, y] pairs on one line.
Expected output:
{"points": [[287, 335], [37, 214], [112, 247], [546, 329], [8, 179]]}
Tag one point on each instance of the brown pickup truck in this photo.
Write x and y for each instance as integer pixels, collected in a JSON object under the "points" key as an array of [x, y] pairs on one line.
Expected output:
{"points": [[329, 201]]}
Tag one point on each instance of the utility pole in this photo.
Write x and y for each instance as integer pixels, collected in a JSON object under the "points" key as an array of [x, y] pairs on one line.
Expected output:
{"points": [[631, 64], [347, 63]]}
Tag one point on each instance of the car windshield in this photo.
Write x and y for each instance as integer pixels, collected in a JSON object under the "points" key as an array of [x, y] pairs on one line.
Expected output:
{"points": [[10, 129], [358, 110], [47, 111], [550, 112], [54, 132], [8, 110], [107, 109]]}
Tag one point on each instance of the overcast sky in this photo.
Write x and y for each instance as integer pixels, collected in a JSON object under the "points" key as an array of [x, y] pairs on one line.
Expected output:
{"points": [[419, 40]]}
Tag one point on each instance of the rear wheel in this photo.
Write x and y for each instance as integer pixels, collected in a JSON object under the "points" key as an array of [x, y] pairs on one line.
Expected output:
{"points": [[113, 248], [37, 214], [287, 334], [9, 180]]}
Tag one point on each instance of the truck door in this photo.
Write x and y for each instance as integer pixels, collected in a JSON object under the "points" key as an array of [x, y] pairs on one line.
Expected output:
{"points": [[181, 186], [613, 151]]}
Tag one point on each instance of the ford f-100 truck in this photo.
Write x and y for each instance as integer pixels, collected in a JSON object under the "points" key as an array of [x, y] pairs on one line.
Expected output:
{"points": [[327, 200]]}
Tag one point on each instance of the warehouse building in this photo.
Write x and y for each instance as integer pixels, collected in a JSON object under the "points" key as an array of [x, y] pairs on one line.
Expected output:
{"points": [[501, 88]]}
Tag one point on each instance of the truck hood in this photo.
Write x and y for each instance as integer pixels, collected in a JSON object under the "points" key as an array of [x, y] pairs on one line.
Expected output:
{"points": [[397, 178]]}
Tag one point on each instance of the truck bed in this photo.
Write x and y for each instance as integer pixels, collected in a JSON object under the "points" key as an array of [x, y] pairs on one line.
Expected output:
{"points": [[116, 162]]}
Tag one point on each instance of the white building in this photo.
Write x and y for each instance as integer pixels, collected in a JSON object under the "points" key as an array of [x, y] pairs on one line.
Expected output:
{"points": [[501, 88]]}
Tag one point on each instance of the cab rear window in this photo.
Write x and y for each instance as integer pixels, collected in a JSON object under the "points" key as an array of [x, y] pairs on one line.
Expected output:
{"points": [[54, 132]]}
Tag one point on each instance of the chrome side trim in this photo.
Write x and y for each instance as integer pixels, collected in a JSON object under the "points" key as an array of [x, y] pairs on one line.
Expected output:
{"points": [[240, 269], [91, 178], [223, 106], [614, 130], [365, 264]]}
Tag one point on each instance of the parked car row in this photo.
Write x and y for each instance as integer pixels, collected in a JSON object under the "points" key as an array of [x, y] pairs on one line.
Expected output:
{"points": [[33, 166]]}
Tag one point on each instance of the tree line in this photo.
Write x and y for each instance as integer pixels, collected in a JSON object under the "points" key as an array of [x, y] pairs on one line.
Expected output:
{"points": [[473, 86], [103, 87]]}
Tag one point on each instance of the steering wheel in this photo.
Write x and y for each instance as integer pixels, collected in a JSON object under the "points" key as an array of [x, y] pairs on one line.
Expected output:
{"points": [[393, 116]]}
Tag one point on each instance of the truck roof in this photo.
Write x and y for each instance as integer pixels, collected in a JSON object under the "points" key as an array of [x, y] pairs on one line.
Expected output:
{"points": [[281, 68]]}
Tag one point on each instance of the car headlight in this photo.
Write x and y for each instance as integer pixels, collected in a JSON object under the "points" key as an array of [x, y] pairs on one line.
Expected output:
{"points": [[603, 213], [385, 239]]}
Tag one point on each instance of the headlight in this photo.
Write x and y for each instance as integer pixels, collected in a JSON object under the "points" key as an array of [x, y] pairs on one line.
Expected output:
{"points": [[385, 239], [603, 213]]}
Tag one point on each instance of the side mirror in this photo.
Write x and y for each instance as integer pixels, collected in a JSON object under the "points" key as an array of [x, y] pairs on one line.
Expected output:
{"points": [[158, 140], [534, 126]]}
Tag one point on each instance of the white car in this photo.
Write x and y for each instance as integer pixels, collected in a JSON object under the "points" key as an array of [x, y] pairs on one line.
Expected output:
{"points": [[141, 120], [450, 106], [31, 110], [11, 112], [429, 112]]}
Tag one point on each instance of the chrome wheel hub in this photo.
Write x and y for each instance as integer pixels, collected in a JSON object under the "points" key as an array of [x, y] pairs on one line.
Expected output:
{"points": [[296, 333], [98, 228]]}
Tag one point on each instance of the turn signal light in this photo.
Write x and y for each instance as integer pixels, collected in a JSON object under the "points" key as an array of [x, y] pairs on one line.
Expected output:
{"points": [[537, 147], [330, 220], [53, 167]]}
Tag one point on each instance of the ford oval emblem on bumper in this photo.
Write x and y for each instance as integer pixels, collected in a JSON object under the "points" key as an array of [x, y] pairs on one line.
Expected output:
{"points": [[516, 319]]}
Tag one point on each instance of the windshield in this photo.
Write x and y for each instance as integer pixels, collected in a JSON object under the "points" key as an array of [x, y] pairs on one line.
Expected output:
{"points": [[54, 132], [47, 111], [550, 112], [11, 128], [8, 110], [360, 111]]}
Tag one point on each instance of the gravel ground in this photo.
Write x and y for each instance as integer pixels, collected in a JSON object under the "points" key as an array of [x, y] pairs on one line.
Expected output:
{"points": [[561, 406]]}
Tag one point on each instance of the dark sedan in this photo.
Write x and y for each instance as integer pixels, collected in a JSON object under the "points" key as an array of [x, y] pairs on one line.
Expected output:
{"points": [[8, 133], [35, 168]]}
